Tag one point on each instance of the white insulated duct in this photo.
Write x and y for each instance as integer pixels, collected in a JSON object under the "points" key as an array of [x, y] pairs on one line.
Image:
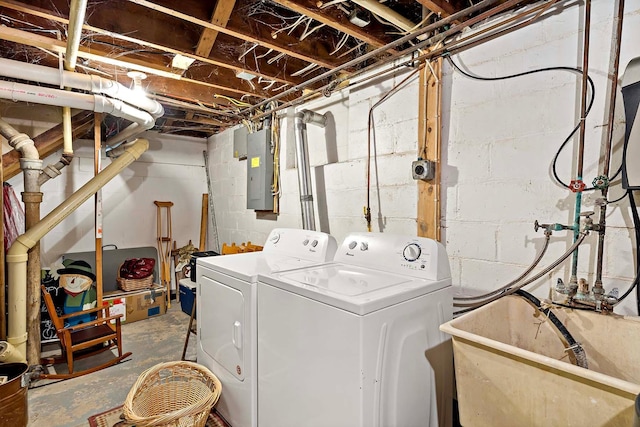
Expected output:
{"points": [[94, 84], [17, 254], [304, 169], [61, 98], [387, 13]]}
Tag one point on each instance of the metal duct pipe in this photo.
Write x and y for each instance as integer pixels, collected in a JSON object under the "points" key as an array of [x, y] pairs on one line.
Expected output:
{"points": [[304, 169], [17, 254]]}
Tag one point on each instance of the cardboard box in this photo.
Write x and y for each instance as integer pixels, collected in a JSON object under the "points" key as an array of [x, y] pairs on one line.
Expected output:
{"points": [[137, 305]]}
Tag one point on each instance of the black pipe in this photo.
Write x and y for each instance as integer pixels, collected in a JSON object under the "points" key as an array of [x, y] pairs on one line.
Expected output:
{"points": [[574, 346]]}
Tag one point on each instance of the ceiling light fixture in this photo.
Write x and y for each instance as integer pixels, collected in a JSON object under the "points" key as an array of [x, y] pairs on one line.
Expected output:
{"points": [[137, 77]]}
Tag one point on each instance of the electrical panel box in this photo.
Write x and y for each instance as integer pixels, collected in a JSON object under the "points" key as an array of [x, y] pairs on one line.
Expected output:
{"points": [[240, 143], [259, 171]]}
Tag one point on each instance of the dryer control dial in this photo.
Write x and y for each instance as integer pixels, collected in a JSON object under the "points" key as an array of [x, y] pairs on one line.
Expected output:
{"points": [[275, 238], [353, 244], [412, 252]]}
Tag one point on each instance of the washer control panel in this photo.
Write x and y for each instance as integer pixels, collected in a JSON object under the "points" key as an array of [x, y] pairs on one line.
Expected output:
{"points": [[417, 256]]}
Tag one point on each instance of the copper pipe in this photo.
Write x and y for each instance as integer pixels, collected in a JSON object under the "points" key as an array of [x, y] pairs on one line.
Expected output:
{"points": [[607, 151]]}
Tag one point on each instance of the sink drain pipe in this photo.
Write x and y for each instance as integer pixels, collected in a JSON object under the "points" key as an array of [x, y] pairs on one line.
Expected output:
{"points": [[304, 169]]}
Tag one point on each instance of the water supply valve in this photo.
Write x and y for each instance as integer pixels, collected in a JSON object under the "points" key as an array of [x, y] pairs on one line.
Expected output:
{"points": [[600, 182], [550, 227], [577, 185]]}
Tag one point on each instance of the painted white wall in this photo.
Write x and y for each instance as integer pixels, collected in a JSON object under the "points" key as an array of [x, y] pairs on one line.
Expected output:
{"points": [[499, 139], [171, 170]]}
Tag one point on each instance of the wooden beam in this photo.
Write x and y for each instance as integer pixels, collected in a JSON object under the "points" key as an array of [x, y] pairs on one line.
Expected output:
{"points": [[429, 143], [47, 142], [337, 21], [443, 7], [169, 79], [262, 41], [221, 16], [41, 13]]}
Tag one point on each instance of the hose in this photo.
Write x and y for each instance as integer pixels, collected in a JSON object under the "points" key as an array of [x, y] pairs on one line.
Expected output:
{"points": [[573, 345], [473, 306], [516, 280]]}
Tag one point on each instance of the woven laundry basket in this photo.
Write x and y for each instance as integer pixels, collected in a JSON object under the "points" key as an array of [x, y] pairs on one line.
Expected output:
{"points": [[172, 394], [133, 284]]}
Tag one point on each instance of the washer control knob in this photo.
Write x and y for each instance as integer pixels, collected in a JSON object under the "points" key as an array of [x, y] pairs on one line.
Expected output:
{"points": [[305, 242], [275, 238], [364, 246], [411, 252], [314, 243], [353, 244]]}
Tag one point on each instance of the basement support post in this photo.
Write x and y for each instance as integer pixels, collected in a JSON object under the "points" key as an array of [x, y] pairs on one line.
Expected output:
{"points": [[429, 145]]}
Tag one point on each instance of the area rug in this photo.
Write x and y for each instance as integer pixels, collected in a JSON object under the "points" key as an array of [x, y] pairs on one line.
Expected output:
{"points": [[112, 418]]}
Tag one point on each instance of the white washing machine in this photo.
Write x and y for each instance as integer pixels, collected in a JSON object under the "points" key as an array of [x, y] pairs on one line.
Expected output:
{"points": [[226, 307], [355, 342]]}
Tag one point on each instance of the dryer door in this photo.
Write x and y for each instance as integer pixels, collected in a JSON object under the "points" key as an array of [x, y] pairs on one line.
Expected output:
{"points": [[221, 325]]}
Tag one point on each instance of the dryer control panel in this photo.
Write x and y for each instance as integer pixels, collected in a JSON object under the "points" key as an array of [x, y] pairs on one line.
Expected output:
{"points": [[306, 244], [414, 256]]}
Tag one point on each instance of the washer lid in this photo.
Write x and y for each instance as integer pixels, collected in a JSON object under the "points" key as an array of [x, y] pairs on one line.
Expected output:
{"points": [[353, 288], [247, 266]]}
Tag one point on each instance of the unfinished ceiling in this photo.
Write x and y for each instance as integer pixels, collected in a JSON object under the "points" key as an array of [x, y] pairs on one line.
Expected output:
{"points": [[213, 64]]}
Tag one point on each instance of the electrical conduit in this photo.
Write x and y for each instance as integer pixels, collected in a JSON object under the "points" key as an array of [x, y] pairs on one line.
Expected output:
{"points": [[304, 169], [17, 254]]}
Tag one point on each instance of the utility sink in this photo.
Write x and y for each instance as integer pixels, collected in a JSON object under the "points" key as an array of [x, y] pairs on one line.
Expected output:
{"points": [[513, 369]]}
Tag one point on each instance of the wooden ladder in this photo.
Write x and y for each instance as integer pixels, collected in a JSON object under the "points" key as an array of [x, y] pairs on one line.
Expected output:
{"points": [[164, 244]]}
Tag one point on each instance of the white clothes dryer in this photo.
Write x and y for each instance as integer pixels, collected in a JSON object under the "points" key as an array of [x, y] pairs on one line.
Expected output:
{"points": [[356, 342], [226, 307]]}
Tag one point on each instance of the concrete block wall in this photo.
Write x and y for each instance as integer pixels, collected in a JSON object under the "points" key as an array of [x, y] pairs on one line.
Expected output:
{"points": [[338, 156], [499, 139]]}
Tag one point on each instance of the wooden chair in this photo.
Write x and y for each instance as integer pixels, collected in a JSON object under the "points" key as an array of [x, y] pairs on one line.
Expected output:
{"points": [[83, 340]]}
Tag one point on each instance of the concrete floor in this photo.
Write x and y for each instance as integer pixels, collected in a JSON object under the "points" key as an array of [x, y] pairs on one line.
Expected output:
{"points": [[71, 402]]}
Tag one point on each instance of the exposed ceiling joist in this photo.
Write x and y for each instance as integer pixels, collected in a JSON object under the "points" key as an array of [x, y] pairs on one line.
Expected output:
{"points": [[233, 66], [47, 142], [262, 40], [145, 66], [339, 21], [221, 16], [443, 7]]}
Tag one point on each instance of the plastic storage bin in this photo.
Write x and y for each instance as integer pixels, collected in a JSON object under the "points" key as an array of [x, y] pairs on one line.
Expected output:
{"points": [[512, 368], [187, 295]]}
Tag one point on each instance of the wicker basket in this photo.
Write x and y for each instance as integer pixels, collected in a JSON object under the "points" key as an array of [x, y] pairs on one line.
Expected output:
{"points": [[133, 284], [172, 394]]}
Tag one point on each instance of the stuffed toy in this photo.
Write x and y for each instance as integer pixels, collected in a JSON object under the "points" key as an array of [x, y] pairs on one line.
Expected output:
{"points": [[77, 279]]}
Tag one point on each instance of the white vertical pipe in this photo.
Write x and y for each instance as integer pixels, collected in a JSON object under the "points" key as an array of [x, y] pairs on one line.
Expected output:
{"points": [[77, 11], [17, 254]]}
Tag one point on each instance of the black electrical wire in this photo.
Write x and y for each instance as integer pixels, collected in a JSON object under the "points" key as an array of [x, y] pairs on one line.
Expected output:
{"points": [[619, 198], [574, 346], [540, 70]]}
